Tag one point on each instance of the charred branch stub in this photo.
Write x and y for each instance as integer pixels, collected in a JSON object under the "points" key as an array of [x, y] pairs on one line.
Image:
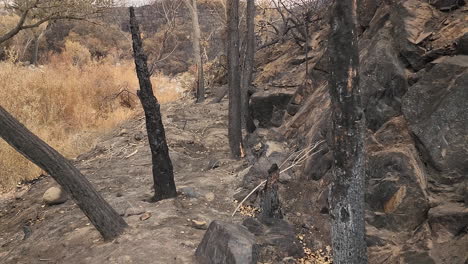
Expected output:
{"points": [[106, 220], [270, 204], [163, 175], [347, 191]]}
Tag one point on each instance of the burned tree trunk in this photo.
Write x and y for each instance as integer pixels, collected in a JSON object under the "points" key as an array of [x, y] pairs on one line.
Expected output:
{"points": [[106, 220], [248, 68], [163, 175], [270, 204], [347, 190], [235, 125]]}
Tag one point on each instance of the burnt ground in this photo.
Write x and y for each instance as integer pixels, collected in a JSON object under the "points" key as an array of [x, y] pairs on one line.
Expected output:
{"points": [[120, 168]]}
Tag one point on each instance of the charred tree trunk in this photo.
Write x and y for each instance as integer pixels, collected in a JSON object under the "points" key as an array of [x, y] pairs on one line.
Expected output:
{"points": [[196, 49], [247, 121], [235, 125], [163, 175], [106, 220], [270, 204], [347, 190]]}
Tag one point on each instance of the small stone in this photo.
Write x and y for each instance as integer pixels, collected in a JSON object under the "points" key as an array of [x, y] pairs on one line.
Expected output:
{"points": [[54, 195], [210, 196], [284, 178], [202, 225], [123, 132], [145, 216], [190, 192], [138, 136]]}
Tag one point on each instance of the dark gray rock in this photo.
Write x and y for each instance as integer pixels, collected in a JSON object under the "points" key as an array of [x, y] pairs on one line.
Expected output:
{"points": [[462, 45], [435, 108], [227, 243], [382, 79], [414, 257], [266, 105], [448, 220], [395, 191], [190, 192], [446, 5]]}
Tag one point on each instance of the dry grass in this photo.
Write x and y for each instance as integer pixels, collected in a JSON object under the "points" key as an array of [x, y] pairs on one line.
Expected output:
{"points": [[68, 104]]}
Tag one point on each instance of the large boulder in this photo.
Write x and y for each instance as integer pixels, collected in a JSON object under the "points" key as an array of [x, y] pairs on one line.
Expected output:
{"points": [[435, 108], [227, 243], [396, 180]]}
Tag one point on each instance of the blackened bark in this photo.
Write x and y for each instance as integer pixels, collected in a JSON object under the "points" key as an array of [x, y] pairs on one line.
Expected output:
{"points": [[106, 220], [270, 204], [347, 191], [248, 66], [163, 175], [235, 126]]}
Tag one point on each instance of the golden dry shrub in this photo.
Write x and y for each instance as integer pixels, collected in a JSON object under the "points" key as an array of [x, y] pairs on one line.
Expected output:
{"points": [[75, 54], [69, 107]]}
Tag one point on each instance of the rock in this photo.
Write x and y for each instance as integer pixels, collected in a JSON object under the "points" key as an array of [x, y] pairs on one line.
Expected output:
{"points": [[285, 178], [396, 180], [54, 195], [437, 103], [462, 44], [446, 5], [414, 257], [210, 196], [190, 192], [448, 220], [199, 224], [244, 172], [274, 147], [134, 211], [123, 132], [227, 243], [265, 104], [138, 136]]}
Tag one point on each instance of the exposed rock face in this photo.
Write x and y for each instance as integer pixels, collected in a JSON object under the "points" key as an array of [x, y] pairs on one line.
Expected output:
{"points": [[414, 83], [435, 108], [227, 243]]}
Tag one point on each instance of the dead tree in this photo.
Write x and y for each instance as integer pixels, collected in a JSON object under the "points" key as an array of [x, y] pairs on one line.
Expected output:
{"points": [[192, 6], [248, 68], [106, 220], [347, 190], [163, 175], [235, 125], [270, 204]]}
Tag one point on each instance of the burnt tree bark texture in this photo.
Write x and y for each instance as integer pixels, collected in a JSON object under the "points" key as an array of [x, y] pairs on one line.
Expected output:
{"points": [[163, 175], [270, 204], [347, 190], [196, 36], [106, 220], [248, 68], [234, 126]]}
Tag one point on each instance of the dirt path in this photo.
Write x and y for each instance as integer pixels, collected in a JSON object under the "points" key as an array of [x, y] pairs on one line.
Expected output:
{"points": [[120, 168]]}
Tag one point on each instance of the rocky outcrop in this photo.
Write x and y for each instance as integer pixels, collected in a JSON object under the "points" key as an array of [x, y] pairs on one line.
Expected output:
{"points": [[435, 108], [413, 78]]}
